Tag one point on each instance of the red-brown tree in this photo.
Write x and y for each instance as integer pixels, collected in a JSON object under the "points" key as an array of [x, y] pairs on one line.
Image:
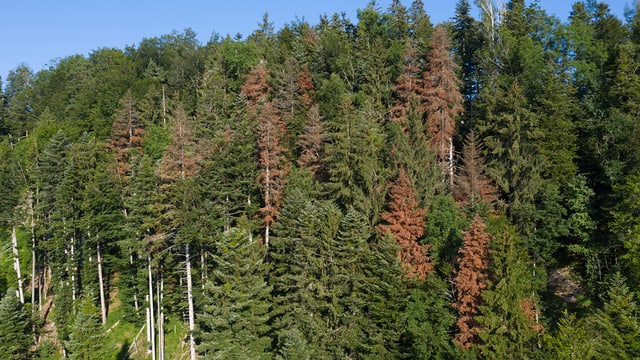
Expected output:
{"points": [[471, 279], [443, 101], [126, 135], [271, 159], [405, 223], [311, 142], [472, 185], [407, 88]]}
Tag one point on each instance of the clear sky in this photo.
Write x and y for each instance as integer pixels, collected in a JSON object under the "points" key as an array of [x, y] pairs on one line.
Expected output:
{"points": [[35, 32]]}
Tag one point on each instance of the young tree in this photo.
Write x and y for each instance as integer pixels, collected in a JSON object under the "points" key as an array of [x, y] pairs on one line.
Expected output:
{"points": [[86, 339], [470, 281], [16, 332], [405, 223]]}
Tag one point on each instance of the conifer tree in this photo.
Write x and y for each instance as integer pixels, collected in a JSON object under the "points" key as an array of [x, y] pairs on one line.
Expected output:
{"points": [[472, 186], [429, 320], [442, 99], [86, 338], [510, 314], [237, 302], [572, 340], [16, 332], [312, 144], [617, 321], [470, 281], [271, 159], [405, 223], [179, 164], [127, 134]]}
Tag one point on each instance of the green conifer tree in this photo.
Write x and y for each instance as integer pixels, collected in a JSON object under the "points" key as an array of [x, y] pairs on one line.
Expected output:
{"points": [[237, 303], [16, 332]]}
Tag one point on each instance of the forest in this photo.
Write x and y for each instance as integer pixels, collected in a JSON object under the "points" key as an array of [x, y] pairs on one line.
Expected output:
{"points": [[372, 188]]}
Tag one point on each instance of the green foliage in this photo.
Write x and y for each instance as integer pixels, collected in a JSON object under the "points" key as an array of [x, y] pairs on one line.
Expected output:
{"points": [[510, 317], [16, 335], [555, 104], [572, 340], [86, 338], [236, 302], [429, 320], [617, 321]]}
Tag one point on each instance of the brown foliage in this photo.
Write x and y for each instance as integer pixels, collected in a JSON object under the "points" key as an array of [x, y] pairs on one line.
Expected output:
{"points": [[271, 130], [311, 142], [256, 88], [472, 186], [180, 160], [443, 101], [126, 135], [272, 162], [471, 279], [407, 87], [405, 222], [306, 89]]}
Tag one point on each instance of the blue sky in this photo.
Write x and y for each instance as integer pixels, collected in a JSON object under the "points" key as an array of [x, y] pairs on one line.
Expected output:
{"points": [[35, 32]]}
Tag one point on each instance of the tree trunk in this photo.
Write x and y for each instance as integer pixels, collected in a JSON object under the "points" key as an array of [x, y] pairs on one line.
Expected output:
{"points": [[159, 295], [16, 263], [151, 320], [192, 326], [73, 271], [103, 305], [32, 225]]}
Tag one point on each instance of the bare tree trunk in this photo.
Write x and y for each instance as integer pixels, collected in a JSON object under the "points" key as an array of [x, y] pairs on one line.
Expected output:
{"points": [[151, 320], [135, 293], [450, 165], [103, 305], [32, 225], [16, 263], [159, 295], [164, 107], [73, 270], [249, 229], [203, 268], [192, 326]]}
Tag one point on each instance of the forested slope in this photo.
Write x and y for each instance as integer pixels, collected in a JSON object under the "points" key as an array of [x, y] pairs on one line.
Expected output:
{"points": [[380, 187]]}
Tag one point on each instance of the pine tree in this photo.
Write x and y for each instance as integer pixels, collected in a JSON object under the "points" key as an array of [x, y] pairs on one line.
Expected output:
{"points": [[405, 223], [16, 333], [470, 281]]}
